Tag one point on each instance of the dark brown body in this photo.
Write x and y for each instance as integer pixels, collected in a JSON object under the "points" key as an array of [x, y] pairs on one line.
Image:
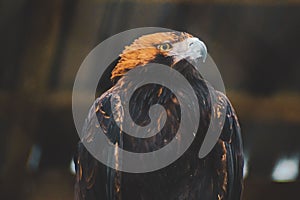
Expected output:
{"points": [[215, 177]]}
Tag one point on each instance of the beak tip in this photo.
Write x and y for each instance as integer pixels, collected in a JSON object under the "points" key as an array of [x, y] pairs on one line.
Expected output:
{"points": [[204, 58], [203, 51]]}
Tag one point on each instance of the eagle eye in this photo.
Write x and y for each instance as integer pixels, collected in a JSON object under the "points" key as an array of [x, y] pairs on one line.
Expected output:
{"points": [[164, 46]]}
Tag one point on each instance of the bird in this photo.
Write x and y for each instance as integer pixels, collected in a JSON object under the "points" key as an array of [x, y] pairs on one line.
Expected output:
{"points": [[217, 176]]}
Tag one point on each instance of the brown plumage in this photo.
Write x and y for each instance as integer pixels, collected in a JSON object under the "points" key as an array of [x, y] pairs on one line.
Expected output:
{"points": [[218, 176]]}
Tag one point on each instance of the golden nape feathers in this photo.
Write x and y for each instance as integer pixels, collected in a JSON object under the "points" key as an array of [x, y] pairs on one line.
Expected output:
{"points": [[145, 49]]}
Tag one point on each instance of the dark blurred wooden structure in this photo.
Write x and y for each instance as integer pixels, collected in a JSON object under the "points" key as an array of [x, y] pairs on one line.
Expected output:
{"points": [[255, 44]]}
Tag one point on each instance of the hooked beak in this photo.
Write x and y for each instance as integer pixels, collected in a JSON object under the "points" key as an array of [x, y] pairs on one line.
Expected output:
{"points": [[191, 49], [197, 48]]}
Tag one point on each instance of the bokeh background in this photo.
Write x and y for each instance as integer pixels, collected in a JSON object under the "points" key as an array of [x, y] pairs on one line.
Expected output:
{"points": [[254, 43]]}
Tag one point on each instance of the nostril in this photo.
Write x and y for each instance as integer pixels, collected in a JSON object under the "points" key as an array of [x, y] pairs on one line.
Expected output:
{"points": [[191, 43]]}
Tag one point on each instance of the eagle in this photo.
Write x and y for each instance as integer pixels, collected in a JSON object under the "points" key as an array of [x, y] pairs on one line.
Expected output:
{"points": [[217, 176]]}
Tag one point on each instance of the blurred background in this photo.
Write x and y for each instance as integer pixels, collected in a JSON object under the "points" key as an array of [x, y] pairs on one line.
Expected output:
{"points": [[254, 43]]}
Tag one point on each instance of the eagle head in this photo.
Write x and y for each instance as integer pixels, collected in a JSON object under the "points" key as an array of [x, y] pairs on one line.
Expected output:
{"points": [[168, 47]]}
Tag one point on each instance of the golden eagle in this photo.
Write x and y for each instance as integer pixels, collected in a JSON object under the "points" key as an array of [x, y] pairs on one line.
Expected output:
{"points": [[218, 176]]}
